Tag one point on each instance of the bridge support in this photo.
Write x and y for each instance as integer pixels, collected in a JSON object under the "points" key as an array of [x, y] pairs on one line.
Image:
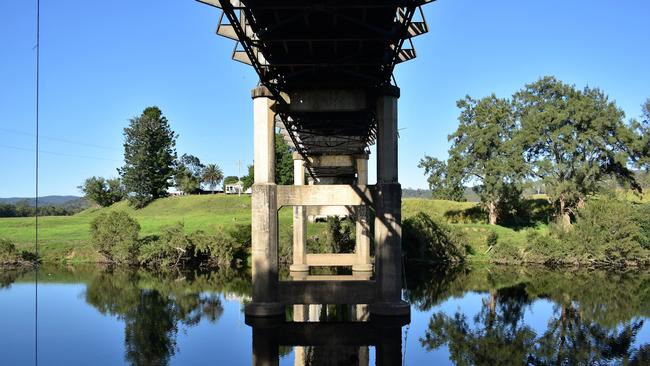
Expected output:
{"points": [[299, 221], [362, 247], [388, 219], [264, 201]]}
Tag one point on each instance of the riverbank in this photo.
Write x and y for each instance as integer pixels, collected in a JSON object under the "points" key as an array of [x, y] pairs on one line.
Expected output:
{"points": [[66, 239]]}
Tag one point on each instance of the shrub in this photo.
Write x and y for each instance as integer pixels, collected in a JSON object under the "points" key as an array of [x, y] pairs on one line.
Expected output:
{"points": [[7, 251], [642, 219], [115, 235], [175, 248], [506, 252], [606, 231], [430, 239], [492, 239], [340, 235]]}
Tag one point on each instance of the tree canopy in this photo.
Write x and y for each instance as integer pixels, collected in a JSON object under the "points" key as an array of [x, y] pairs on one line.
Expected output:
{"points": [[572, 139], [212, 176], [149, 154], [103, 192]]}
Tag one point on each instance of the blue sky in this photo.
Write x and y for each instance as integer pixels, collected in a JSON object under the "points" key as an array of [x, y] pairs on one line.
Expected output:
{"points": [[104, 62]]}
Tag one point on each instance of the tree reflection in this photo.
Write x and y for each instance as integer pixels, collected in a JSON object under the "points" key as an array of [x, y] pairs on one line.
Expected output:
{"points": [[498, 335], [154, 305]]}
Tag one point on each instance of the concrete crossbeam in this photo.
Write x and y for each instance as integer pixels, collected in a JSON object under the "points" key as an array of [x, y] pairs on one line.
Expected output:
{"points": [[324, 195], [327, 292], [328, 100], [336, 259]]}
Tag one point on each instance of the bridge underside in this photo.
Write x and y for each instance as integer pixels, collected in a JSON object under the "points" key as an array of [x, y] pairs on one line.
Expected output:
{"points": [[326, 82]]}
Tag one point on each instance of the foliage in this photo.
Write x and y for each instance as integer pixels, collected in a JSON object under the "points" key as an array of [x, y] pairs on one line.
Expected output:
{"points": [[248, 179], [606, 231], [175, 248], [103, 192], [283, 161], [188, 172], [24, 209], [429, 239], [484, 151], [642, 219], [492, 239], [340, 235], [149, 156], [283, 165], [212, 176], [643, 144], [115, 235], [7, 250], [571, 140], [443, 184]]}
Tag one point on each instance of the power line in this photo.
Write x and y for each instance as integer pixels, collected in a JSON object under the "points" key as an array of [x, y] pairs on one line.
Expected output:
{"points": [[73, 142], [56, 153]]}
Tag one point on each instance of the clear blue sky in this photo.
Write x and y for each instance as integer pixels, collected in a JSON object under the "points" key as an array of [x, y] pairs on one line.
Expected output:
{"points": [[104, 62]]}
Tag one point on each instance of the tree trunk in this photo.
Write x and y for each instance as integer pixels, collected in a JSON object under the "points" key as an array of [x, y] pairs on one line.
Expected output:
{"points": [[564, 214], [492, 213]]}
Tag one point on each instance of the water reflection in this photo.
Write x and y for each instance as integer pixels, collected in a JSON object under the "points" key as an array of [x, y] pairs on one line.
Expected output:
{"points": [[595, 320], [462, 316], [154, 305]]}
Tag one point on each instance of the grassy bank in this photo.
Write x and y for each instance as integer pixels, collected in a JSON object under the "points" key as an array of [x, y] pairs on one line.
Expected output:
{"points": [[66, 238]]}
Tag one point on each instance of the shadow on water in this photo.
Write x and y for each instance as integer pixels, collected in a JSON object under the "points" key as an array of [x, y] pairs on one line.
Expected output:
{"points": [[593, 317]]}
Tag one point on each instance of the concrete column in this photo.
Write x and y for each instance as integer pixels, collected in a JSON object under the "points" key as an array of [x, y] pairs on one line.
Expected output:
{"points": [[388, 221], [264, 211], [362, 247], [300, 314], [299, 221]]}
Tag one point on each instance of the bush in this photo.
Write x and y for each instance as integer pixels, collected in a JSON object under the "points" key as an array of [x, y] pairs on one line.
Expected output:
{"points": [[492, 239], [642, 219], [340, 235], [175, 248], [506, 252], [430, 239], [7, 251], [115, 235], [606, 231]]}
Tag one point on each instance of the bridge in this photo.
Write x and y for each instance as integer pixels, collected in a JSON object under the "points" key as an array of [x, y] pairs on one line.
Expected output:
{"points": [[326, 81]]}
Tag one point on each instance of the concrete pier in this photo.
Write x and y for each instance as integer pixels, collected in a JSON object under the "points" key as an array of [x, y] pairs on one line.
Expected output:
{"points": [[264, 211], [388, 219]]}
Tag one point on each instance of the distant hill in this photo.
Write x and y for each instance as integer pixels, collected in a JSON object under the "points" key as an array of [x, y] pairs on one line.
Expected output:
{"points": [[45, 200]]}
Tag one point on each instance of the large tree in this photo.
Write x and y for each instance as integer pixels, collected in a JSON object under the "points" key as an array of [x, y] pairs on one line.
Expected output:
{"points": [[103, 192], [443, 184], [572, 139], [643, 129], [149, 156], [212, 175], [484, 153]]}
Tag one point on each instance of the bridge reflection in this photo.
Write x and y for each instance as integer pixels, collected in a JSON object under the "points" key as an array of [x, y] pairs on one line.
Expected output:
{"points": [[328, 335]]}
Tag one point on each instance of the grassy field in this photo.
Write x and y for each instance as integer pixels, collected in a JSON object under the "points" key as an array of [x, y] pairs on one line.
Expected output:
{"points": [[66, 238]]}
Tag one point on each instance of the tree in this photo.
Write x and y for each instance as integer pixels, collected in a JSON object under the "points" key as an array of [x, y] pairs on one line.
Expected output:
{"points": [[103, 192], [248, 179], [572, 139], [283, 161], [149, 156], [212, 175], [643, 145], [483, 151], [283, 164], [188, 174], [443, 186]]}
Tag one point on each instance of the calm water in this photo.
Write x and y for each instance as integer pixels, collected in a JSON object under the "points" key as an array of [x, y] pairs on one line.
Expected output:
{"points": [[461, 316]]}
